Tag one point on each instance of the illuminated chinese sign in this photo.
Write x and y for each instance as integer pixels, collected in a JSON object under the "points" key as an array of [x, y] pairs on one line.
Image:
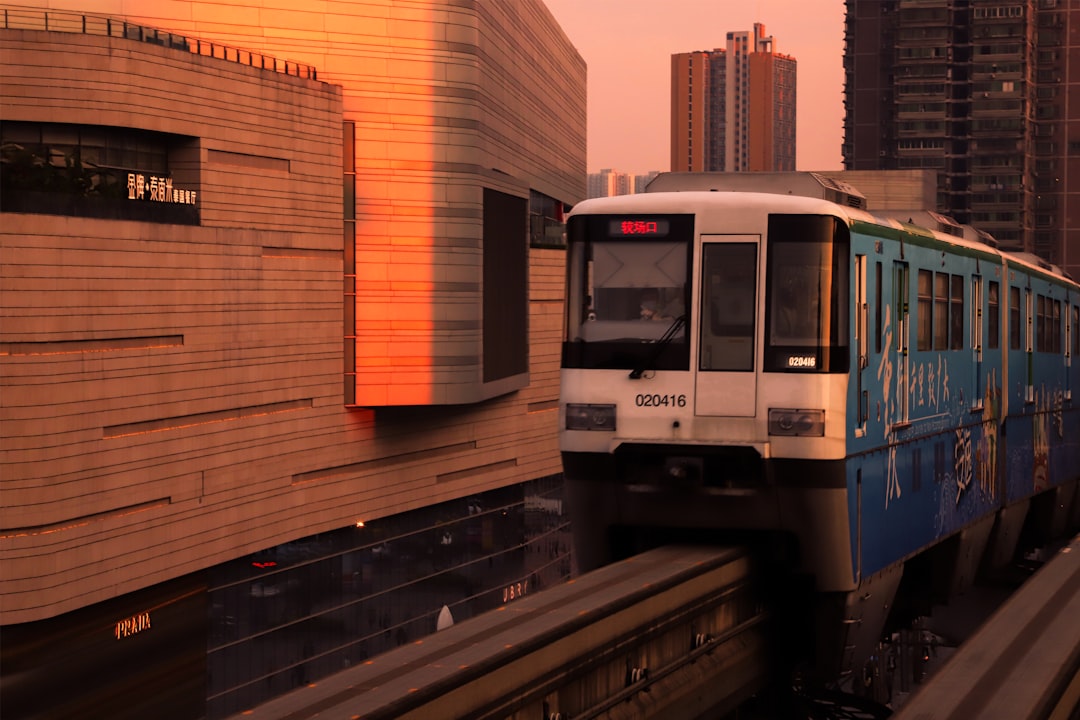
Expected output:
{"points": [[132, 625], [636, 227], [157, 189]]}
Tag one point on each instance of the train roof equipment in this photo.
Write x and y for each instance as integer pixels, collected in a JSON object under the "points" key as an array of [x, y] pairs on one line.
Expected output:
{"points": [[806, 184]]}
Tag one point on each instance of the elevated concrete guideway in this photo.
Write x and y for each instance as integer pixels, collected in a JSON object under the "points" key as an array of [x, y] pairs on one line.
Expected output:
{"points": [[1023, 663], [671, 633]]}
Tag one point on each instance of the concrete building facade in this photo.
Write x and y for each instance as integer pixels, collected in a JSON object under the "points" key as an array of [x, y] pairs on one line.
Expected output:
{"points": [[280, 313]]}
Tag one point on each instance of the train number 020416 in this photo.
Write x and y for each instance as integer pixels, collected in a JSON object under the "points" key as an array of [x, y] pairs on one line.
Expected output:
{"points": [[645, 400]]}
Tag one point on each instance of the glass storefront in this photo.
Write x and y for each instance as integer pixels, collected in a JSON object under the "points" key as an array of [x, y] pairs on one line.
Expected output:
{"points": [[307, 609], [220, 641]]}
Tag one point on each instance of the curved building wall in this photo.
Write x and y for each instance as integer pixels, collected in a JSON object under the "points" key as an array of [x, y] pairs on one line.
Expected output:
{"points": [[216, 283], [449, 99], [159, 378]]}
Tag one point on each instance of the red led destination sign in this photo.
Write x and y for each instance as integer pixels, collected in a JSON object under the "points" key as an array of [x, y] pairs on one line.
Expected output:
{"points": [[636, 228]]}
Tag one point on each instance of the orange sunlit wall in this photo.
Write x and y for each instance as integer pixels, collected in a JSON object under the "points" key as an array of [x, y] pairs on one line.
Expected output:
{"points": [[187, 409], [434, 126], [760, 134]]}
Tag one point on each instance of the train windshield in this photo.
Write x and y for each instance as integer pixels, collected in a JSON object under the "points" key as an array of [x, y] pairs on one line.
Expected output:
{"points": [[627, 291], [807, 295]]}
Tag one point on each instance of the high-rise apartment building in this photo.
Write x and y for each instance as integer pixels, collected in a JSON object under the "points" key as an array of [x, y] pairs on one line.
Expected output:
{"points": [[733, 108], [976, 91], [608, 183]]}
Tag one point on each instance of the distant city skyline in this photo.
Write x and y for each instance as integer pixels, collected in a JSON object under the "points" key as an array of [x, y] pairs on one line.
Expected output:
{"points": [[628, 44]]}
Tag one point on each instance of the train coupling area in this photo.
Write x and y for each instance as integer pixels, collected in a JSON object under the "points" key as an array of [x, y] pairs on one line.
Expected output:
{"points": [[674, 632]]}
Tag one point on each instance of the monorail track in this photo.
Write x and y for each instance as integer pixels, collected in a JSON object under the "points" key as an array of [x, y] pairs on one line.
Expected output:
{"points": [[673, 632]]}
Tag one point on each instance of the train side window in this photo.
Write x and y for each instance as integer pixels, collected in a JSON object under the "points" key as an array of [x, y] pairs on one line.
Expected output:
{"points": [[977, 313], [941, 311], [1029, 323], [924, 310], [1047, 327], [1055, 323], [1041, 335], [993, 316], [956, 313], [1014, 318], [1055, 326], [1076, 331], [861, 320], [877, 307]]}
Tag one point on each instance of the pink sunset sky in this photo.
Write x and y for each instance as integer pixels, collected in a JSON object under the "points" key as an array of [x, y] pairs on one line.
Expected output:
{"points": [[628, 44]]}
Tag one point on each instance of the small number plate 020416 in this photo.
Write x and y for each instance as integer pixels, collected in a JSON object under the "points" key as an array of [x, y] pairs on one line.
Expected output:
{"points": [[657, 400]]}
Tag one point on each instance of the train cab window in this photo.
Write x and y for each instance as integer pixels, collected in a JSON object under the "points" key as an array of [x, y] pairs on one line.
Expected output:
{"points": [[627, 291], [993, 316], [807, 294]]}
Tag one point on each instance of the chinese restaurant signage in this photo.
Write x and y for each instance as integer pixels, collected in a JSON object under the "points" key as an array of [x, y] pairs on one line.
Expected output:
{"points": [[157, 189]]}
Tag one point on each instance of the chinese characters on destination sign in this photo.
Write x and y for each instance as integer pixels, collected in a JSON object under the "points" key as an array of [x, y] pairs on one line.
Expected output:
{"points": [[624, 227], [638, 227]]}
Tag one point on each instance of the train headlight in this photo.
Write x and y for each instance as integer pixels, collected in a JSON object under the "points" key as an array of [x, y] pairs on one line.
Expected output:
{"points": [[590, 417], [805, 423]]}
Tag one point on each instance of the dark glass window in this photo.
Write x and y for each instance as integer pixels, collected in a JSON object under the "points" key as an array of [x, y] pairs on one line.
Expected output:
{"points": [[547, 221], [877, 307], [941, 311], [956, 312], [925, 316], [993, 316], [627, 302], [1048, 325], [1014, 318], [1055, 327], [729, 306], [298, 612], [93, 171], [1076, 333], [1042, 327], [506, 283], [807, 294]]}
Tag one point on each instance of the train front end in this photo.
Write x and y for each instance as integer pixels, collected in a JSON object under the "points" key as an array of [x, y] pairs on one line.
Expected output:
{"points": [[705, 375]]}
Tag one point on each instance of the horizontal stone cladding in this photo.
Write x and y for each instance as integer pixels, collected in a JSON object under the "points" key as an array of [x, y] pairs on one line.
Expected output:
{"points": [[449, 97], [171, 396], [265, 150]]}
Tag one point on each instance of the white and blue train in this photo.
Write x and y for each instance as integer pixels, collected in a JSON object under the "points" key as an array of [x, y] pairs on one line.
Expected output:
{"points": [[758, 355]]}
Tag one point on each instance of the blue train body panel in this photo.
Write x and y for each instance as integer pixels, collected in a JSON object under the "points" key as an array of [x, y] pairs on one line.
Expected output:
{"points": [[980, 429]]}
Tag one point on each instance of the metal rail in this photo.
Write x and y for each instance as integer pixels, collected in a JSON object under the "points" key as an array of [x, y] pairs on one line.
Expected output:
{"points": [[25, 18]]}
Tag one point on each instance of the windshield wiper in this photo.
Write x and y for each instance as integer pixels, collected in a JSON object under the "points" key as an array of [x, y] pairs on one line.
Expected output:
{"points": [[662, 343]]}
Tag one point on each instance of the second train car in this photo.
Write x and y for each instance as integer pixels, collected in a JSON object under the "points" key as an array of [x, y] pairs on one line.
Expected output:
{"points": [[760, 356]]}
